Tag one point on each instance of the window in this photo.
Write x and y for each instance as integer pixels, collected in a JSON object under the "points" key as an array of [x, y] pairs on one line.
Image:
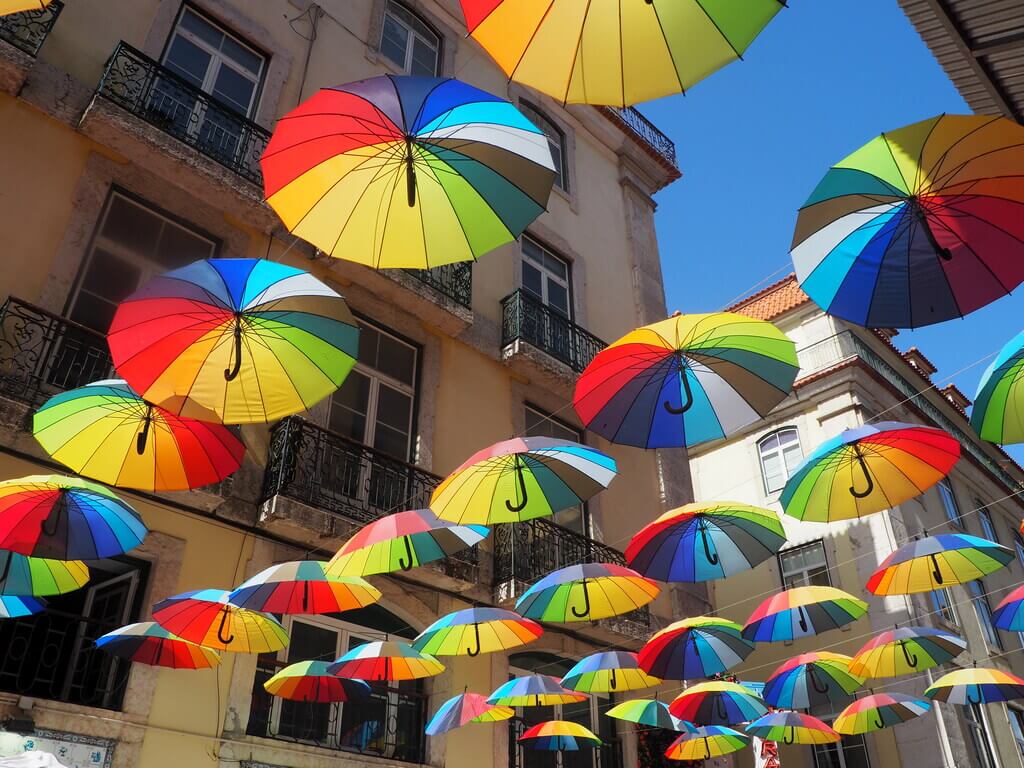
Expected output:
{"points": [[943, 607], [556, 143], [949, 504], [851, 752], [1016, 717], [988, 527], [983, 610], [53, 655], [540, 424], [804, 566], [780, 454], [545, 276], [409, 43], [977, 730]]}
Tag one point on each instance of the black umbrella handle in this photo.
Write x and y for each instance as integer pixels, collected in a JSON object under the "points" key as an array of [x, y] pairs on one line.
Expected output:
{"points": [[140, 441], [910, 658], [8, 556], [406, 564], [815, 682], [802, 613], [220, 630], [723, 713], [305, 596], [521, 485], [410, 173], [789, 735], [867, 476], [936, 571], [712, 557], [921, 218], [707, 746], [612, 682], [684, 379], [55, 514], [475, 651], [586, 603], [231, 373], [878, 721]]}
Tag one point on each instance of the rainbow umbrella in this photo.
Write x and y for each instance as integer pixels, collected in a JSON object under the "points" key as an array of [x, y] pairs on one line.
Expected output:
{"points": [[407, 171], [586, 592], [1008, 614], [698, 647], [206, 617], [22, 576], [303, 586], [66, 518], [706, 742], [648, 712], [801, 612], [310, 681], [686, 380], [559, 736], [403, 541], [464, 709], [385, 660], [906, 650], [976, 685], [533, 691], [248, 339], [880, 710], [108, 433], [717, 702], [614, 53], [473, 631], [700, 542], [998, 412], [520, 479], [936, 562], [792, 728], [868, 469], [811, 679], [15, 606], [608, 672], [148, 643]]}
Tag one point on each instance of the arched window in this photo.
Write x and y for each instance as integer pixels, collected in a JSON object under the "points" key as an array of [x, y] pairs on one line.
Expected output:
{"points": [[780, 454], [409, 42], [556, 141]]}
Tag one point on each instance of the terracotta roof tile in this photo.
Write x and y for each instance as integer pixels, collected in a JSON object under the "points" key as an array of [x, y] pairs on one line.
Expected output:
{"points": [[771, 302]]}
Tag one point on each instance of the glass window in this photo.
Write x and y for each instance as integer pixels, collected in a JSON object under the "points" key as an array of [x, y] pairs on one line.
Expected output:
{"points": [[804, 566], [1017, 728], [780, 454], [556, 143], [983, 610], [540, 424], [988, 527], [409, 43], [851, 752], [949, 504], [977, 730], [943, 607], [545, 276]]}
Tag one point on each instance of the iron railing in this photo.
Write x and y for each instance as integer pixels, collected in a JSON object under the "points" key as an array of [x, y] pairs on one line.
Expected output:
{"points": [[647, 132], [148, 90], [28, 31], [523, 318], [453, 280], [42, 353]]}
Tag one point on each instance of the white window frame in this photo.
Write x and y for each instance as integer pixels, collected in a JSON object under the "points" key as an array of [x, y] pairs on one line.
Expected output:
{"points": [[983, 613], [950, 505], [840, 746], [783, 574], [557, 142], [987, 522], [1015, 717], [414, 35], [779, 451], [940, 612], [547, 274], [978, 728]]}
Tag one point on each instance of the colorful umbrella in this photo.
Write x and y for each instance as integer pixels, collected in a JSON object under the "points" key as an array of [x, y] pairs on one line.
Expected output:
{"points": [[811, 679], [148, 643], [533, 691], [22, 576], [792, 728], [473, 631], [801, 612], [520, 479], [303, 586], [920, 225], [936, 562], [700, 542], [464, 709], [8, 7], [872, 713], [15, 606], [205, 617], [868, 469], [614, 53], [905, 650], [1009, 614], [706, 742], [693, 648], [386, 660], [403, 541], [559, 736], [310, 681], [686, 380], [976, 685], [107, 432], [586, 592], [249, 339], [407, 171], [648, 712], [608, 672], [998, 412], [66, 518], [717, 702]]}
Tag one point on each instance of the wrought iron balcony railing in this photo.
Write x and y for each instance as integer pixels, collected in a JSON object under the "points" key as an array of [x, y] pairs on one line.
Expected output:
{"points": [[647, 132], [523, 318], [148, 90], [453, 280], [28, 31]]}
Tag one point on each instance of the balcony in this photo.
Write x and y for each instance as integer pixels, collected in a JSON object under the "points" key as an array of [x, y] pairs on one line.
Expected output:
{"points": [[453, 281], [644, 131], [24, 34], [441, 297]]}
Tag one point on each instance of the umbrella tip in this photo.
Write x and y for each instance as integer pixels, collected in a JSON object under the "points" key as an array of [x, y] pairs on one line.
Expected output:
{"points": [[677, 313]]}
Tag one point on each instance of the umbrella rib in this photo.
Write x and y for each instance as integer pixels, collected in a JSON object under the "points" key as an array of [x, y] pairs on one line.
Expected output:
{"points": [[533, 35]]}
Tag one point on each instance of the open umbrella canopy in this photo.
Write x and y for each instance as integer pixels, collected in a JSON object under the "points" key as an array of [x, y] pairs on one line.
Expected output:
{"points": [[533, 691], [8, 7], [403, 541], [464, 709], [148, 643], [206, 617], [648, 712], [694, 648], [386, 660], [303, 586], [998, 411], [473, 631], [22, 576], [976, 685], [248, 339], [706, 742], [16, 606], [521, 479], [906, 650], [880, 710], [801, 612], [586, 592], [811, 679], [410, 172], [311, 681], [920, 225], [686, 380], [608, 672], [717, 703], [66, 518], [868, 469], [1009, 614], [936, 562], [108, 433], [614, 53], [792, 728], [559, 736], [700, 542]]}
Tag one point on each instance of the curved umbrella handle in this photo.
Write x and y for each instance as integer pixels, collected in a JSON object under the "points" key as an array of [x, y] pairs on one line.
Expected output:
{"points": [[921, 218], [712, 557], [8, 556], [911, 658], [803, 618], [815, 681], [686, 391], [140, 441], [867, 476], [521, 482], [406, 565], [878, 721], [56, 513], [220, 630], [969, 699], [230, 374], [305, 596], [612, 682], [707, 746], [789, 735], [410, 173], [586, 603], [723, 713], [476, 651], [936, 571]]}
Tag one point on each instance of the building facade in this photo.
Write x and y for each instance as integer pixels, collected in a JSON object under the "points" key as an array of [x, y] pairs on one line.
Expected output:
{"points": [[130, 135]]}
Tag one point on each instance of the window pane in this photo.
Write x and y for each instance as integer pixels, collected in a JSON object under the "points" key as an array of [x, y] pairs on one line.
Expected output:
{"points": [[188, 60], [540, 425], [234, 89], [394, 40], [179, 247], [805, 566], [131, 226], [348, 407], [424, 58], [987, 525], [558, 297], [396, 359], [242, 56], [110, 277], [201, 29], [533, 281], [392, 429]]}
